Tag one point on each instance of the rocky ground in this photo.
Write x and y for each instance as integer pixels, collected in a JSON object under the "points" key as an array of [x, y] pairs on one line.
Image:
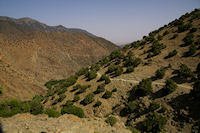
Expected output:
{"points": [[27, 123]]}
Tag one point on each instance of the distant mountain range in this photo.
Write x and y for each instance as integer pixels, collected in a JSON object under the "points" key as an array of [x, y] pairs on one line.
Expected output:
{"points": [[36, 25], [32, 53]]}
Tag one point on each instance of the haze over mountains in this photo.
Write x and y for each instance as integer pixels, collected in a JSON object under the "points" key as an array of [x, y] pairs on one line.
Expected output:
{"points": [[33, 53]]}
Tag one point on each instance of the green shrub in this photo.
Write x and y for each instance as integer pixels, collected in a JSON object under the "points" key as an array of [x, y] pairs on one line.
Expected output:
{"points": [[105, 78], [51, 112], [83, 88], [12, 107], [100, 88], [159, 37], [132, 129], [185, 72], [188, 39], [170, 86], [182, 28], [177, 22], [38, 97], [73, 110], [82, 71], [130, 54], [91, 75], [111, 68], [36, 107], [174, 36], [166, 32], [154, 106], [61, 97], [50, 83], [134, 62], [114, 90], [89, 98], [134, 45], [193, 30], [61, 91], [116, 54], [130, 107], [107, 95], [160, 73], [76, 98], [69, 103], [118, 71], [171, 54], [111, 120], [156, 49], [97, 104], [150, 39], [69, 82], [154, 123], [95, 67], [192, 51], [104, 61], [142, 89]]}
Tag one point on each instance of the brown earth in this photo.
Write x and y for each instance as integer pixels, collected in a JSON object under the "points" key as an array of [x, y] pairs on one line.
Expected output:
{"points": [[30, 57]]}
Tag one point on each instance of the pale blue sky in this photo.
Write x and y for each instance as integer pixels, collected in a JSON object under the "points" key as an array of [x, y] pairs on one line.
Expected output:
{"points": [[120, 21]]}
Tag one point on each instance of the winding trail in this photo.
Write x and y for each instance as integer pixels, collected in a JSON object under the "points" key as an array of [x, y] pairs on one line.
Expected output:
{"points": [[136, 82]]}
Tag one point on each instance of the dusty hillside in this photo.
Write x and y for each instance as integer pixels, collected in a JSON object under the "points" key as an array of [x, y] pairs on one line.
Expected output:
{"points": [[151, 85], [35, 56], [128, 67]]}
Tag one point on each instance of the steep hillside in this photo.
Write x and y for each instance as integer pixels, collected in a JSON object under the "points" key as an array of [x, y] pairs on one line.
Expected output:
{"points": [[151, 85], [34, 55]]}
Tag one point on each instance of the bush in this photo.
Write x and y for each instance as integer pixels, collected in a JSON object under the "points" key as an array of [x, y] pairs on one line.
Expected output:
{"points": [[105, 78], [107, 95], [114, 90], [132, 129], [82, 88], [156, 49], [111, 120], [69, 103], [134, 62], [171, 54], [160, 73], [82, 71], [188, 39], [76, 98], [154, 106], [89, 98], [177, 22], [142, 89], [170, 86], [91, 75], [166, 32], [192, 51], [95, 67], [159, 37], [131, 107], [111, 68], [68, 82], [116, 54], [51, 112], [97, 104], [12, 107], [73, 110], [174, 36], [36, 107], [100, 88], [154, 123], [182, 28], [118, 71], [185, 72], [193, 30], [61, 97]]}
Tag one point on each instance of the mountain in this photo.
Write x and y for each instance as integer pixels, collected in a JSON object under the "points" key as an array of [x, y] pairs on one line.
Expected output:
{"points": [[36, 25], [151, 85], [32, 53]]}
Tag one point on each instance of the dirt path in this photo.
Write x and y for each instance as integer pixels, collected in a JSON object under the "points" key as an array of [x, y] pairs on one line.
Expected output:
{"points": [[136, 82]]}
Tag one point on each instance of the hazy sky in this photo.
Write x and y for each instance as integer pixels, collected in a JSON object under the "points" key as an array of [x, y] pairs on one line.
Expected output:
{"points": [[120, 21]]}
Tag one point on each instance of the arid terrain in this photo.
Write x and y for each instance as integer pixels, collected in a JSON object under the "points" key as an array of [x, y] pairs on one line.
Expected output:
{"points": [[150, 85]]}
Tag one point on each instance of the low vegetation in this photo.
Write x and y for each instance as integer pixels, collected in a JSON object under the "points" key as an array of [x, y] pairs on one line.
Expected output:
{"points": [[111, 120]]}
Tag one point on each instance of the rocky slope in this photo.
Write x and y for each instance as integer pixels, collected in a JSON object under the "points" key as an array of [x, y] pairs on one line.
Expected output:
{"points": [[26, 123], [33, 53], [151, 85]]}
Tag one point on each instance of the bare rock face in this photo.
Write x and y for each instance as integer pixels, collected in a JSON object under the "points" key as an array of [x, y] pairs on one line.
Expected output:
{"points": [[33, 53], [27, 123]]}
